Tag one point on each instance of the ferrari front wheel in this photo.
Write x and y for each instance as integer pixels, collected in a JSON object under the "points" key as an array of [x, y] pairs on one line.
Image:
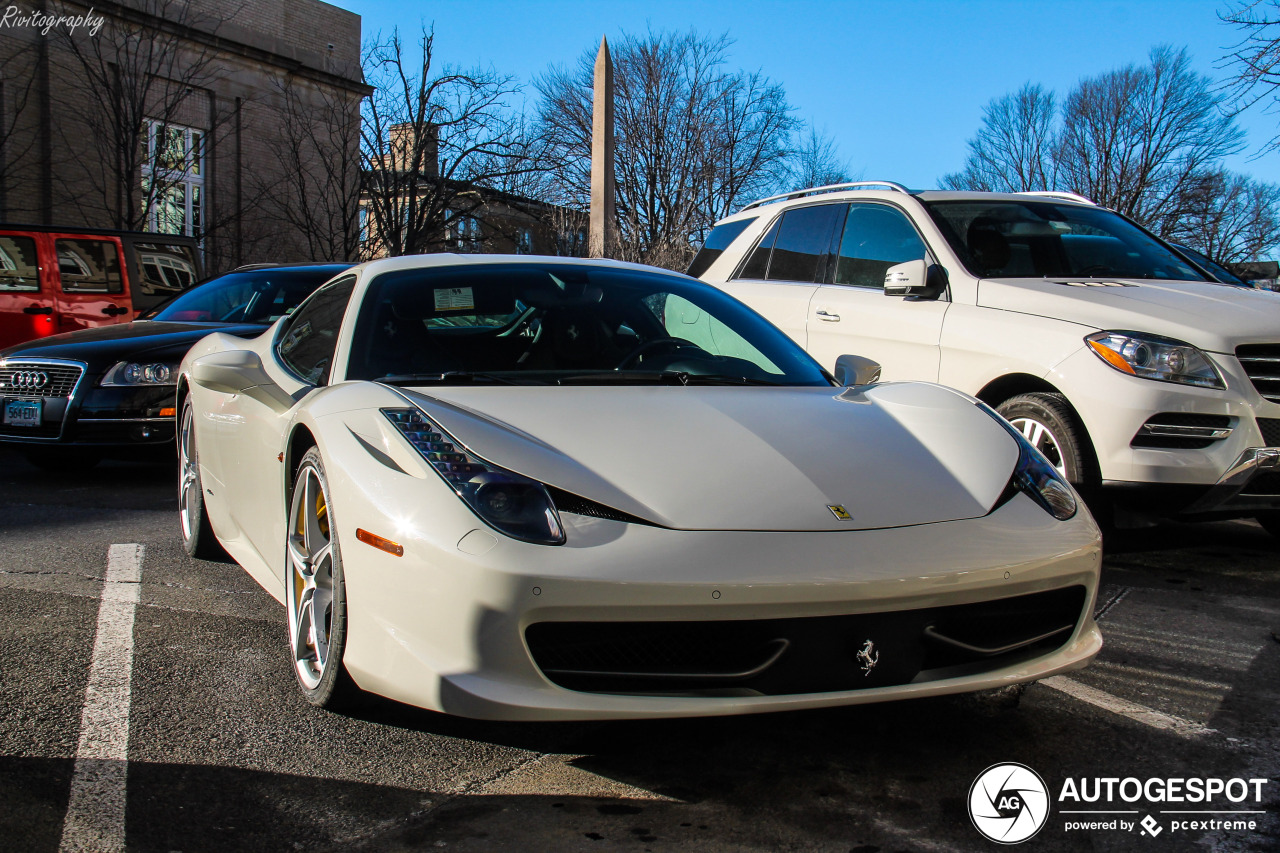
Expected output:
{"points": [[315, 593], [197, 533]]}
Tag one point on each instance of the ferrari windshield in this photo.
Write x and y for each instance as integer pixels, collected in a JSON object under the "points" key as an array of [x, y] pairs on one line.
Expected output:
{"points": [[250, 296], [1040, 239], [562, 324]]}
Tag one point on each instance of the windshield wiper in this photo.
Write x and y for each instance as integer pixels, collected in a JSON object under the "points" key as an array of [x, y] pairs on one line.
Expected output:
{"points": [[448, 377], [658, 377]]}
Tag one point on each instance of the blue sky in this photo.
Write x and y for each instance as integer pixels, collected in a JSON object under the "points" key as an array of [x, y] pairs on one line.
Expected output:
{"points": [[899, 85]]}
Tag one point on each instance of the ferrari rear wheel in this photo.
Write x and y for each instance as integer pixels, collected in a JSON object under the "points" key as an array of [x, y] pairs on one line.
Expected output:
{"points": [[315, 594], [197, 532]]}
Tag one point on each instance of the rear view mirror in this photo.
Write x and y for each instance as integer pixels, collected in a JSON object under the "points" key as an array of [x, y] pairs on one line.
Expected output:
{"points": [[857, 370], [240, 372], [919, 279]]}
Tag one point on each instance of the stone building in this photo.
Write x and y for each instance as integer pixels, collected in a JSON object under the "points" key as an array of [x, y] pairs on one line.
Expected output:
{"points": [[236, 121]]}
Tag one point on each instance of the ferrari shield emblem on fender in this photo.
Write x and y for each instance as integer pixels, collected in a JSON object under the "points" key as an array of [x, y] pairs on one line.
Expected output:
{"points": [[868, 657], [840, 512]]}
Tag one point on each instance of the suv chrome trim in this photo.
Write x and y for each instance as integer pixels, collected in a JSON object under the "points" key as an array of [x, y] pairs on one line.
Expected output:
{"points": [[1174, 431], [829, 188], [1251, 462]]}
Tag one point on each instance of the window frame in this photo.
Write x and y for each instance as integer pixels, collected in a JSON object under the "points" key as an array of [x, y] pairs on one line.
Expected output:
{"points": [[838, 240], [190, 177], [826, 266]]}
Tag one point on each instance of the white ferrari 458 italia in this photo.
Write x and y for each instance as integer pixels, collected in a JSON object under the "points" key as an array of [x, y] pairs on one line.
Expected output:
{"points": [[544, 488]]}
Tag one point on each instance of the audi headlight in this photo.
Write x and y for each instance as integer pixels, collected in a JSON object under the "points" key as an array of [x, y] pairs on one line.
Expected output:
{"points": [[1036, 476], [509, 502], [135, 373], [1154, 357]]}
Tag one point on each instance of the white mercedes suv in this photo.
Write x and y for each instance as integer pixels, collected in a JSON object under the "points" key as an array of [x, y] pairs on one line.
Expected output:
{"points": [[1153, 387]]}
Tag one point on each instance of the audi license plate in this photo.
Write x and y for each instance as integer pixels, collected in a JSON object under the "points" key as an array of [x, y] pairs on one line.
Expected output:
{"points": [[22, 413]]}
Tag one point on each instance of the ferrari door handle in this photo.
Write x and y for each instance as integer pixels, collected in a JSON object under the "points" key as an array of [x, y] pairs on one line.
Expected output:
{"points": [[827, 315], [36, 309]]}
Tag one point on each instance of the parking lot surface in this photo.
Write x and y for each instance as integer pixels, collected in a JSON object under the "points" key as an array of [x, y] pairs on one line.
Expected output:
{"points": [[146, 703]]}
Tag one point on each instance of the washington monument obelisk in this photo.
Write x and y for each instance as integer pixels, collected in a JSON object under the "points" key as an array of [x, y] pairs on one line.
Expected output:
{"points": [[603, 239]]}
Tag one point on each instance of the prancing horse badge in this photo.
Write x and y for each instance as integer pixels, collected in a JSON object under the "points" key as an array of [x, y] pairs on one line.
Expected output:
{"points": [[839, 512], [868, 657]]}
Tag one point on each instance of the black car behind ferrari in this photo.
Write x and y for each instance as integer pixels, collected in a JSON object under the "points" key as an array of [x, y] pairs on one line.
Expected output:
{"points": [[69, 400]]}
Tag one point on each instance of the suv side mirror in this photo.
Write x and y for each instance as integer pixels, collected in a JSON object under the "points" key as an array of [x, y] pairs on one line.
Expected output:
{"points": [[856, 370], [918, 279]]}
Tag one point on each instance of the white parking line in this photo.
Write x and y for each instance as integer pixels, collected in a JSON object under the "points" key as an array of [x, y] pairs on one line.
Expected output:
{"points": [[96, 810], [1125, 708]]}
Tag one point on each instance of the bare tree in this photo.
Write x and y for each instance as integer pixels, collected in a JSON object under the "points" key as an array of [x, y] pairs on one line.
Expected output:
{"points": [[1254, 61], [816, 162], [1135, 139], [315, 185], [1013, 150], [16, 83], [430, 143], [1229, 217], [146, 84], [694, 140]]}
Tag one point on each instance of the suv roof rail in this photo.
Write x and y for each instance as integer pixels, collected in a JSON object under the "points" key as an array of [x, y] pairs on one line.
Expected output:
{"points": [[829, 188], [1059, 194]]}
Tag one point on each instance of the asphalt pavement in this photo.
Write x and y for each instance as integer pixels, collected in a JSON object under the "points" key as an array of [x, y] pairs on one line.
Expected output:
{"points": [[157, 712]]}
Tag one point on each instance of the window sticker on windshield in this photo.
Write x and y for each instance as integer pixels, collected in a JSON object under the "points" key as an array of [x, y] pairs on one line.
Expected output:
{"points": [[454, 299]]}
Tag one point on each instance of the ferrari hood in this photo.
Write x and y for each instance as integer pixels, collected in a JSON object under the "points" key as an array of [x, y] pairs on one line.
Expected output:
{"points": [[1213, 317], [735, 458]]}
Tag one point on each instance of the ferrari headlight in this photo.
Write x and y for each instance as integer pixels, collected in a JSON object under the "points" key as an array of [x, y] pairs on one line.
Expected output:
{"points": [[1154, 357], [1036, 476], [135, 373], [509, 502]]}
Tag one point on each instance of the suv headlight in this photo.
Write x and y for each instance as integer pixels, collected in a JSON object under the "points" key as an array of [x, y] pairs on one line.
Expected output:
{"points": [[1154, 357], [509, 502], [136, 373], [1036, 476]]}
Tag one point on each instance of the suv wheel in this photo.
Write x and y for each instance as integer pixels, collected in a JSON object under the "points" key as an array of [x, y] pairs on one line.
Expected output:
{"points": [[1049, 423]]}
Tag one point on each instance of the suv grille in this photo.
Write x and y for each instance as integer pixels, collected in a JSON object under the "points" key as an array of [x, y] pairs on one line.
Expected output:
{"points": [[1262, 363], [34, 380]]}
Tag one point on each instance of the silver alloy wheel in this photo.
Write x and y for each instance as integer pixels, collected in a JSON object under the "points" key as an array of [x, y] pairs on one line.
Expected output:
{"points": [[309, 587], [187, 480], [1042, 439]]}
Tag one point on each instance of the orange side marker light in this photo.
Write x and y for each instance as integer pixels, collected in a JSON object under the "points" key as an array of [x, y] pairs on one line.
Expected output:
{"points": [[378, 542], [1111, 357]]}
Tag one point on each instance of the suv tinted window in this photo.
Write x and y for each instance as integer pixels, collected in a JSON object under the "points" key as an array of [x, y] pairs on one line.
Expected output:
{"points": [[803, 242], [307, 346], [758, 263], [717, 241], [875, 238], [18, 268], [88, 266]]}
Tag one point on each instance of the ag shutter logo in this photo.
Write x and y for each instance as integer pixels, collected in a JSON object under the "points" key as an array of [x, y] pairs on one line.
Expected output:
{"points": [[1008, 803]]}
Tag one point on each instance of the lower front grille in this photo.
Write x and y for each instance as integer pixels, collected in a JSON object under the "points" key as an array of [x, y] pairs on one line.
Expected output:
{"points": [[804, 654], [1270, 429], [1263, 485]]}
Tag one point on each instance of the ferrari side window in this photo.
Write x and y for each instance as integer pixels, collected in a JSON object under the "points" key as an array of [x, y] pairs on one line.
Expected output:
{"points": [[307, 345]]}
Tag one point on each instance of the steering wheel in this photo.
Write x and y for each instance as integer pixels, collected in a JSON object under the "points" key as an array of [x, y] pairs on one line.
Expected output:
{"points": [[672, 343]]}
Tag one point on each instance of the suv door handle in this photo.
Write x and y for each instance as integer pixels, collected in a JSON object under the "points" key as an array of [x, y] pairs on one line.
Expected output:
{"points": [[827, 315], [36, 309], [115, 310]]}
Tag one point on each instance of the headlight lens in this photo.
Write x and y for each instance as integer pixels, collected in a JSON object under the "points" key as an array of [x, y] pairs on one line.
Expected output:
{"points": [[1036, 476], [511, 503], [1154, 357], [131, 373]]}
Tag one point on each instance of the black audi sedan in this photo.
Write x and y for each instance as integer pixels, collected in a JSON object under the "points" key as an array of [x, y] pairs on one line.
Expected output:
{"points": [[69, 400]]}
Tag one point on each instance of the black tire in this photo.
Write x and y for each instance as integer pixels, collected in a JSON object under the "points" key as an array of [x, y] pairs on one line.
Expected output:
{"points": [[62, 460], [1270, 522], [316, 658], [1062, 438], [197, 533]]}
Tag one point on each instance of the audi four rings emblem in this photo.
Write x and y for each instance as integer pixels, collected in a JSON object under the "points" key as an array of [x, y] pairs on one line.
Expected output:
{"points": [[33, 379]]}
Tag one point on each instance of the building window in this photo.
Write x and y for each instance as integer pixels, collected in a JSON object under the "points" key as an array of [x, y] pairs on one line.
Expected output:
{"points": [[364, 225], [524, 242], [464, 234], [175, 167]]}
